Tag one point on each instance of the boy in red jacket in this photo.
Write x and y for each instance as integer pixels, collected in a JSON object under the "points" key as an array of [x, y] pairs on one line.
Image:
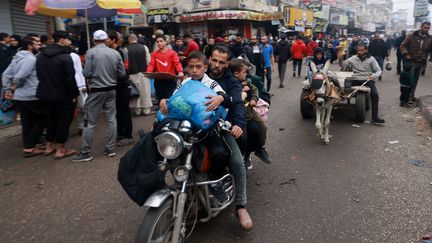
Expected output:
{"points": [[165, 60], [298, 50]]}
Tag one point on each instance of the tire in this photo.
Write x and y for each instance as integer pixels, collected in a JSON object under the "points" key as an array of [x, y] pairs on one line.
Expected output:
{"points": [[360, 106], [307, 110], [150, 225]]}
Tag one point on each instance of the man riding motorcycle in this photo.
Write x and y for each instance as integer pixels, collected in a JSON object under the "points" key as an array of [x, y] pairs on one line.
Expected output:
{"points": [[236, 115]]}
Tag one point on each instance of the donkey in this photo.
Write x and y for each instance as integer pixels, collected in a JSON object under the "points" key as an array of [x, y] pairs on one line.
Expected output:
{"points": [[323, 95]]}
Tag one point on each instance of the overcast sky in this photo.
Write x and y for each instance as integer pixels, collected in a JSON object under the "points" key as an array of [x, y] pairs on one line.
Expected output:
{"points": [[405, 4]]}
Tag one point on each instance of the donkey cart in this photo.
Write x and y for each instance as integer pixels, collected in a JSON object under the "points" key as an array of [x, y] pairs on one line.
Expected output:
{"points": [[356, 97]]}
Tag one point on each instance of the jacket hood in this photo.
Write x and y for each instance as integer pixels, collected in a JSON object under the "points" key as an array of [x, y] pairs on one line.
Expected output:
{"points": [[23, 54], [318, 50], [54, 50]]}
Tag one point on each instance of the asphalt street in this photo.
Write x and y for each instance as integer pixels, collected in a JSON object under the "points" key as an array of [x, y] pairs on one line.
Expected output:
{"points": [[363, 187]]}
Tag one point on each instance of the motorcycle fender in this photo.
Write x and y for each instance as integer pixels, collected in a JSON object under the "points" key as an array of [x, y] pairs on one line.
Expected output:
{"points": [[158, 197]]}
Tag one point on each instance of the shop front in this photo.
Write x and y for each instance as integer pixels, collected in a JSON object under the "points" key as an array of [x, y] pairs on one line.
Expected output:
{"points": [[230, 22]]}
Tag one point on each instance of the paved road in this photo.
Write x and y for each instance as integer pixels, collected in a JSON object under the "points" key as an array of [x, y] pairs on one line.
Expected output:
{"points": [[359, 188]]}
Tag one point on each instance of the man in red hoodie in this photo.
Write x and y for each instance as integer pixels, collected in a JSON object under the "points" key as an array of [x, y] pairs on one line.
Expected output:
{"points": [[191, 45], [311, 46], [298, 51]]}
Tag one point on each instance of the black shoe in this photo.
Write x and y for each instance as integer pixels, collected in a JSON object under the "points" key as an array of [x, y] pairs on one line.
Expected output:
{"points": [[380, 78], [377, 120], [218, 192], [281, 86], [263, 155], [404, 104], [294, 75]]}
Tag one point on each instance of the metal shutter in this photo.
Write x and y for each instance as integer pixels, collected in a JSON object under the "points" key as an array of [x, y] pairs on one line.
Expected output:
{"points": [[5, 17], [24, 24]]}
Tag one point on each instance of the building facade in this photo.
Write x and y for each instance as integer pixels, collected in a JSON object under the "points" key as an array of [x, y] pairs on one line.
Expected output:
{"points": [[214, 17], [13, 19]]}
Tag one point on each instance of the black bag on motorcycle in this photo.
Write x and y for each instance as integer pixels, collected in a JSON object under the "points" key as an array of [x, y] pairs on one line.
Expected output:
{"points": [[138, 171]]}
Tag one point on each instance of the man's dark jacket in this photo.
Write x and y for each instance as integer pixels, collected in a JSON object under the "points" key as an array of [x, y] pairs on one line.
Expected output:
{"points": [[137, 58], [418, 46], [399, 42], [233, 88], [56, 74], [283, 50], [378, 48], [236, 49]]}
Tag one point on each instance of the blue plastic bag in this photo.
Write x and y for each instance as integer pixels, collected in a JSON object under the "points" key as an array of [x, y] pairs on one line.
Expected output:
{"points": [[188, 104]]}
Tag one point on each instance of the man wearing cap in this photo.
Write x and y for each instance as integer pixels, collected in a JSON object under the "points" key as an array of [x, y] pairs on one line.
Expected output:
{"points": [[103, 66]]}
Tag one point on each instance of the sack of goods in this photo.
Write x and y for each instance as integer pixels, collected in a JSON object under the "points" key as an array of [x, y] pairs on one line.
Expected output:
{"points": [[188, 104]]}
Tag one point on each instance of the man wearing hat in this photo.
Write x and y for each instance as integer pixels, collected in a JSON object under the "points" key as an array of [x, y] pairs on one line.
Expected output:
{"points": [[103, 66]]}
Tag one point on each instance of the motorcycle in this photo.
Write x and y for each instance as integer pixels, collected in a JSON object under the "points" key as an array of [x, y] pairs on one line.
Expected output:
{"points": [[175, 209]]}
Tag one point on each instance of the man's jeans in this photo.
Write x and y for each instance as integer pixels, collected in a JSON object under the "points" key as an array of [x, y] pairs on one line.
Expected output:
{"points": [[95, 103], [238, 169], [269, 77], [399, 62], [380, 61], [282, 71], [415, 72]]}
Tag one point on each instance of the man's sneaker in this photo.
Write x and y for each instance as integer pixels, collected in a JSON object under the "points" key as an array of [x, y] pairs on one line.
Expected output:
{"points": [[263, 155], [218, 192], [110, 153], [294, 75], [377, 120], [82, 157], [248, 163]]}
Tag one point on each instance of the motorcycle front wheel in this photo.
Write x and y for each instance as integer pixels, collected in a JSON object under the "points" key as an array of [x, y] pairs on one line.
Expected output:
{"points": [[158, 224]]}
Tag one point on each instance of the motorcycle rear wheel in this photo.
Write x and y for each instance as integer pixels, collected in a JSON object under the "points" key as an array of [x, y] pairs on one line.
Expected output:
{"points": [[158, 224]]}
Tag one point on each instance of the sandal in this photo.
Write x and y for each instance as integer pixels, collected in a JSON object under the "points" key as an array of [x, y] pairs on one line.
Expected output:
{"points": [[48, 153], [245, 219], [67, 153], [32, 153]]}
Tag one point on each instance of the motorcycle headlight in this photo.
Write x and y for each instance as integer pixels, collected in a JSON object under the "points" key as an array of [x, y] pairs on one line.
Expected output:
{"points": [[170, 145]]}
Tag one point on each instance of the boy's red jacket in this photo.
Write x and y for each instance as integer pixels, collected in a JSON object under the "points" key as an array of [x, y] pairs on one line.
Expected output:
{"points": [[192, 46], [311, 47], [165, 62], [298, 49]]}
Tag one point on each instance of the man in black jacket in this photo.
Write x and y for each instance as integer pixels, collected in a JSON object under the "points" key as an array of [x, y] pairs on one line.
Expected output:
{"points": [[58, 88], [139, 58], [236, 115], [282, 54], [237, 47], [397, 45], [378, 49], [123, 116]]}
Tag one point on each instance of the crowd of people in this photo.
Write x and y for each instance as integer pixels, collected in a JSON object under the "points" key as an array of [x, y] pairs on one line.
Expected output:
{"points": [[50, 82]]}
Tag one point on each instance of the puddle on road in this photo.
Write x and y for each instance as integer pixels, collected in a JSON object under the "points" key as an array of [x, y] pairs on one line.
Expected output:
{"points": [[420, 163]]}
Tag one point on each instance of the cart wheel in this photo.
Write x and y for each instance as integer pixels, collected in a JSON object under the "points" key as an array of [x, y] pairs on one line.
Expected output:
{"points": [[307, 110], [360, 106]]}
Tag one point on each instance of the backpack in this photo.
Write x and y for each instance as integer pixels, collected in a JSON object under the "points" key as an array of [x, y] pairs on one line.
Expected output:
{"points": [[138, 171]]}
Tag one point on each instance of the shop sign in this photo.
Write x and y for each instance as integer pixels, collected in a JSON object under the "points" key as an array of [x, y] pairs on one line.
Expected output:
{"points": [[158, 11], [160, 15], [229, 14], [338, 19], [320, 25], [421, 8], [296, 17], [198, 5]]}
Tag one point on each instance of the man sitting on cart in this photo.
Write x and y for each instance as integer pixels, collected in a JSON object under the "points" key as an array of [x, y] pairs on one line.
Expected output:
{"points": [[365, 69]]}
